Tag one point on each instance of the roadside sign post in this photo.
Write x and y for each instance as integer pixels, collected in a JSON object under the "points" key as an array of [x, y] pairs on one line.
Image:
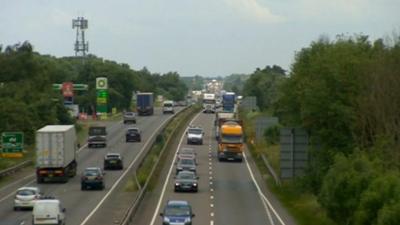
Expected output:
{"points": [[12, 144]]}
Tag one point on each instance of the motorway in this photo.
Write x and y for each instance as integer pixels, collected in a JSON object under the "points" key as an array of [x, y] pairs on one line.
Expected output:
{"points": [[81, 206], [229, 192]]}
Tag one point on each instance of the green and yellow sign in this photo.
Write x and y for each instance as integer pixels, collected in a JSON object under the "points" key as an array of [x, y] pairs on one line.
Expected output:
{"points": [[12, 144]]}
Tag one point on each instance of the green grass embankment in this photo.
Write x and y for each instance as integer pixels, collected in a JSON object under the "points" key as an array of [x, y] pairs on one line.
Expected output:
{"points": [[303, 206]]}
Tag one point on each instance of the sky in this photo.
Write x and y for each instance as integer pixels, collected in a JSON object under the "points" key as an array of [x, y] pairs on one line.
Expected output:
{"points": [[194, 37]]}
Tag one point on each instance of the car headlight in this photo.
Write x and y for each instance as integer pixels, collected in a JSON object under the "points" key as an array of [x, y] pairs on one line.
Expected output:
{"points": [[195, 184], [187, 220], [177, 184], [166, 219], [179, 168]]}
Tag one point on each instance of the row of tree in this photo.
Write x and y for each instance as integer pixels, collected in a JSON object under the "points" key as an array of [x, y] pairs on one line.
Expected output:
{"points": [[346, 93], [28, 101]]}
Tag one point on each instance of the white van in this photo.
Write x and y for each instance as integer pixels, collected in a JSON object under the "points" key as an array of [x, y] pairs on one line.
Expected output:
{"points": [[168, 107], [48, 211]]}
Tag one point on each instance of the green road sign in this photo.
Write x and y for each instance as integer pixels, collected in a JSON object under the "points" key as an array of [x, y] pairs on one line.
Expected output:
{"points": [[12, 142], [80, 87], [75, 87], [57, 87]]}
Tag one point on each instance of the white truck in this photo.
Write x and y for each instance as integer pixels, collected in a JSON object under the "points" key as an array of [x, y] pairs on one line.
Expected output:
{"points": [[209, 103], [168, 107], [56, 147]]}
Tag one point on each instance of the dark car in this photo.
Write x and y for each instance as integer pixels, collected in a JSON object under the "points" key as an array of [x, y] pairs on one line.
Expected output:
{"points": [[186, 181], [97, 136], [186, 164], [92, 177], [133, 134], [129, 117], [177, 212], [113, 161]]}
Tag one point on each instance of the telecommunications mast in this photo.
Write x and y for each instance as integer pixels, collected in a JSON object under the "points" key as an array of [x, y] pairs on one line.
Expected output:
{"points": [[81, 47]]}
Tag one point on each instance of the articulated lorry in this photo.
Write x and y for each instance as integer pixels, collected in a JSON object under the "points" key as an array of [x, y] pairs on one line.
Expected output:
{"points": [[209, 103], [145, 103], [228, 102], [230, 140], [56, 147]]}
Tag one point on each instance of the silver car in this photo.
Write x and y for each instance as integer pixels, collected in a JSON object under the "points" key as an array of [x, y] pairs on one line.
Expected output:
{"points": [[129, 117], [186, 164], [25, 197]]}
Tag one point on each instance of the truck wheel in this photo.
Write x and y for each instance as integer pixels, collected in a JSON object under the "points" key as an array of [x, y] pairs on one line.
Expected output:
{"points": [[16, 208]]}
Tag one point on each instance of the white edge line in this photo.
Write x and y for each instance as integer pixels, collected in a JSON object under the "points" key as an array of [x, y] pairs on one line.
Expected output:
{"points": [[168, 176], [122, 176], [260, 192]]}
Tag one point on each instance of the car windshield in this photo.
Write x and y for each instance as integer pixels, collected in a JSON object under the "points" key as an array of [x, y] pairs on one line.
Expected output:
{"points": [[26, 192], [187, 161], [91, 172], [177, 210], [209, 101], [112, 156], [185, 176], [97, 131], [133, 130], [168, 105], [232, 139], [195, 131], [129, 114], [186, 151]]}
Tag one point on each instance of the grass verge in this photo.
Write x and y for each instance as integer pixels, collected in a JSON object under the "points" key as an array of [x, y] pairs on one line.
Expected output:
{"points": [[303, 206]]}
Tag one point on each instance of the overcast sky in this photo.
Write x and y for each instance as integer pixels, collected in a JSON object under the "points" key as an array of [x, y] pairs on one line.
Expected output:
{"points": [[205, 37]]}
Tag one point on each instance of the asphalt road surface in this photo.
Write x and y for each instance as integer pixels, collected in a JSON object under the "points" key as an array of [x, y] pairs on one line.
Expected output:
{"points": [[81, 206], [229, 192]]}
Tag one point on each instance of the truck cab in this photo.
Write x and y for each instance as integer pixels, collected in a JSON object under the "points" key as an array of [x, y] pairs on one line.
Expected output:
{"points": [[230, 141], [209, 103], [97, 136]]}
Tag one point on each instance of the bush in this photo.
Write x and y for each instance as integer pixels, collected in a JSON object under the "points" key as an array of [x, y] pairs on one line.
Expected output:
{"points": [[344, 184], [272, 134], [379, 204]]}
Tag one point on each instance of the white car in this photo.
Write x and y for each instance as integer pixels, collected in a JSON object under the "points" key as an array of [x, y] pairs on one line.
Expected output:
{"points": [[26, 197], [48, 211], [194, 135]]}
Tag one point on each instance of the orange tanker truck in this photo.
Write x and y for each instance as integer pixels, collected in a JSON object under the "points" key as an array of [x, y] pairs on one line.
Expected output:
{"points": [[230, 140]]}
